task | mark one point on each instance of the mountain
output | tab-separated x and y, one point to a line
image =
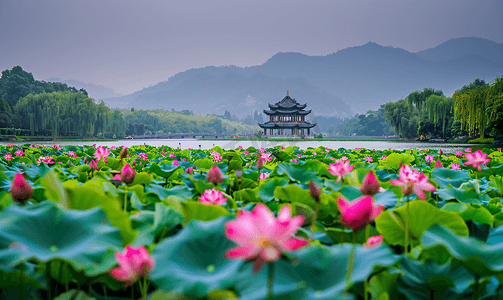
95	91
351	80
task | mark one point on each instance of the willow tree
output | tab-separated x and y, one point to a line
470	108
439	109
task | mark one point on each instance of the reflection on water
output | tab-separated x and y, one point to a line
232	144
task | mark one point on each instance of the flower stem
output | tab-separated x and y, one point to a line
270	280
407	227
125	198
313	221
21	285
476	288
232	201
366	281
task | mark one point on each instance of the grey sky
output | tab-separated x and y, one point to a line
131	44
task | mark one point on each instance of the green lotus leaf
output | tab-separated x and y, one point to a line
195	210
113	163
46	232
204	164
383	285
464	194
29	277
496	183
164	171
142	178
282	156
341	235
162	193
192	262
35	171
475	213
312	275
386	198
444	176
294	193
350	192
54	189
295	173
165	218
422	215
395	159
479	258
84	197
266	190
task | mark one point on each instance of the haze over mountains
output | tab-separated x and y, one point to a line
94	90
352	80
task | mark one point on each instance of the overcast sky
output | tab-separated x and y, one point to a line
130	44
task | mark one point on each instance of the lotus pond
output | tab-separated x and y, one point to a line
86	222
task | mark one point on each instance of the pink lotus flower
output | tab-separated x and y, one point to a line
438	164
263	176
469	150
127	174
217	157
101	152
429	158
359	212
369	159
413	182
20	189
213	197
261	150
260	162
262	237
440	152
189	170
19	153
373	241
477	159
94	165
294	160
240	147
134	263
171	155
340	168
299	155
117	177
10	145
455	166
175	163
215	175
46	159
344	158
370	185
383	157
459	153
72	154
143	156
266	156
246	152
8	156
56	147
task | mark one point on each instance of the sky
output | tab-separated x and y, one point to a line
128	45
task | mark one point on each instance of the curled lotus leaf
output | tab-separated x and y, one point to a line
45	232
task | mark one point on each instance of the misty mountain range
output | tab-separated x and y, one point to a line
352	80
94	90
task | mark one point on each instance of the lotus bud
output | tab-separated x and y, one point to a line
189	170
438	164
85	160
94	165
20	189
215	175
127	174
123	153
69	163
370	185
440	151
260	162
314	191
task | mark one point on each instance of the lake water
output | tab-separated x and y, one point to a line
232	144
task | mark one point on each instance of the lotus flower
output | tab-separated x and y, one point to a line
20	189
440	152
101	152
359	212
294	160
370	185
263	176
477	159
340	168
373	241
117	177
189	170
212	196
176	163
262	237
413	182
134	263
94	165
127	174
455	166
19	153
10	145
260	162
8	156
123	153
459	153
438	164
215	175
469	150
429	158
